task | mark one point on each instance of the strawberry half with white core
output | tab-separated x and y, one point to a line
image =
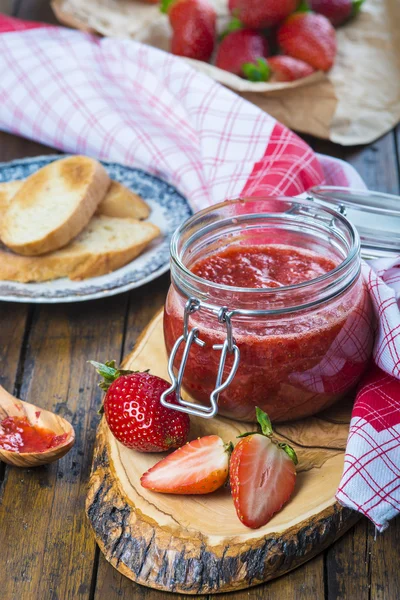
199	467
134	412
262	474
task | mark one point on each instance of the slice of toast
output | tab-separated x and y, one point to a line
53	205
105	245
119	201
8	189
122	202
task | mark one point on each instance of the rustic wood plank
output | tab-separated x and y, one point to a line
14	318
36	10
13	328
7	6
383	555
143	305
112	585
47	548
348	564
12	147
376	163
304	583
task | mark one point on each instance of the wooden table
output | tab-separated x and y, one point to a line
47	551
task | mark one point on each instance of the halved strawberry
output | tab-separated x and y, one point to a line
262	475
199	467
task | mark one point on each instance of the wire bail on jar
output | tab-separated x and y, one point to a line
192	337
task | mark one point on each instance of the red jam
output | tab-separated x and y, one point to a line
17	434
292	364
262	266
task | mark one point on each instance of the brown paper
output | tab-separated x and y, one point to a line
355	103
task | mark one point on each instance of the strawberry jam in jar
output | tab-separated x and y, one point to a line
275	285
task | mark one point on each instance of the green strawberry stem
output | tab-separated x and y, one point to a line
266	429
289	451
264	422
260	71
303	7
234	25
165	5
357	4
109	372
228	448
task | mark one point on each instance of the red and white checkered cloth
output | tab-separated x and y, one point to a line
123	101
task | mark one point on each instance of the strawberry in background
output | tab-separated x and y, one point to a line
193	24
309	37
286	68
337	11
243	52
258	14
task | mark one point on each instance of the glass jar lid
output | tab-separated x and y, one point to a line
375	215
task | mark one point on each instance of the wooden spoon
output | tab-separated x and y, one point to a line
12	407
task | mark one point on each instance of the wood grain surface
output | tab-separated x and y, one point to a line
47	548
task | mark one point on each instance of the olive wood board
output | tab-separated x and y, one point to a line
196	544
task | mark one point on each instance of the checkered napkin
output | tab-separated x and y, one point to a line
123	101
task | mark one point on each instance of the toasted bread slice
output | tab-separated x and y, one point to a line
119	201
105	245
122	202
8	189
53	205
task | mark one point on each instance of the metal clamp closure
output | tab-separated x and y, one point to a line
192	337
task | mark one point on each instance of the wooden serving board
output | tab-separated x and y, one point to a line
196	544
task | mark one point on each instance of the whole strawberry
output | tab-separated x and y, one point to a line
243	53
337	11
193	24
309	37
134	413
258	14
286	68
262	475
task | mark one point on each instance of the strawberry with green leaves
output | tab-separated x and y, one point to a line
337	11
309	37
134	413
199	467
243	52
259	14
193	24
262	474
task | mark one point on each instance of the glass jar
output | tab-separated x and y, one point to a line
303	346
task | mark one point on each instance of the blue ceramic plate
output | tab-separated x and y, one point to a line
168	210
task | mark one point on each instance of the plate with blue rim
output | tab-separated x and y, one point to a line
168	210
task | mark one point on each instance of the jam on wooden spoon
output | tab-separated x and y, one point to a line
29	435
17	434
